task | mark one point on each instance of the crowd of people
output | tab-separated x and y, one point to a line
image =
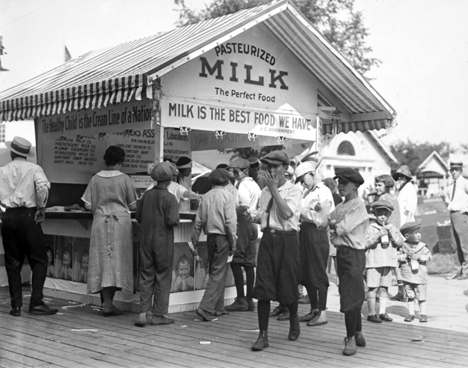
303	220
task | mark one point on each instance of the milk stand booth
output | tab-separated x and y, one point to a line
262	76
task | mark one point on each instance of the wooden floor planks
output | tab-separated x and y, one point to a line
48	341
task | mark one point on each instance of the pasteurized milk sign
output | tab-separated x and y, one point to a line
252	83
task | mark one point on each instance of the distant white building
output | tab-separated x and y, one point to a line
363	151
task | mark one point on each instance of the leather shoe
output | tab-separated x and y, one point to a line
452	276
360	340
141	322
161	320
318	320
309	316
42	310
277	311
409	318
15	311
423	318
113	312
374	318
201	313
284	316
462	277
385	317
220	313
262	341
294	328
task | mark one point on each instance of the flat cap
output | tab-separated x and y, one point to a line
219	177
174	168
184	162
410	226
349	174
276	158
402	170
382	203
240	163
162	172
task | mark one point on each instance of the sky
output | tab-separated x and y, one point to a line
423	46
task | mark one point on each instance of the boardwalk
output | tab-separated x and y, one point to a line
62	340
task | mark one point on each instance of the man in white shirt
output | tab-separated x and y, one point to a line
456	200
248	193
24	190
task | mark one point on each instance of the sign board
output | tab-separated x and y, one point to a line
71	146
252	83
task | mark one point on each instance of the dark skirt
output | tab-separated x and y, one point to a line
350	266
315	249
278	268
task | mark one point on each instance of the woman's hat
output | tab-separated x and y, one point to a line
20	146
184	162
402	170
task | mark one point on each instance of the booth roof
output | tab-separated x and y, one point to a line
126	72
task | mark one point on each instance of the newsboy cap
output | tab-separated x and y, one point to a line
349	174
410	226
382	203
162	172
403	170
219	177
240	163
276	158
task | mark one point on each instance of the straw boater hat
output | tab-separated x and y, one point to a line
456	164
20	146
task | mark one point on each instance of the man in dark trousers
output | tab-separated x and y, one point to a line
456	201
278	265
217	217
24	190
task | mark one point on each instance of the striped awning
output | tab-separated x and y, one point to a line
125	72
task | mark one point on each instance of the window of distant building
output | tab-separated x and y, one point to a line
2	133
346	149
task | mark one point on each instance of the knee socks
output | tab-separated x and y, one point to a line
238	279
351	322
250	275
263	308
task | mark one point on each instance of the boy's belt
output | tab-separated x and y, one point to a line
279	232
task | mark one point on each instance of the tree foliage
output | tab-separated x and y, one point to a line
337	20
414	153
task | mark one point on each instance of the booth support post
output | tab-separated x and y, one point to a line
156	121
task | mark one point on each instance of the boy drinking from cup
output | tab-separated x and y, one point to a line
413	257
383	239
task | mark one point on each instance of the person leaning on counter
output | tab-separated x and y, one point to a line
110	196
24	190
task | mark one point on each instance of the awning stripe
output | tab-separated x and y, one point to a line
118	74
